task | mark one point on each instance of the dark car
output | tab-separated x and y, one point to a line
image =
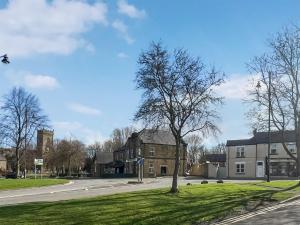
11	175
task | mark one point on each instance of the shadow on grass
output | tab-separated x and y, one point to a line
190	205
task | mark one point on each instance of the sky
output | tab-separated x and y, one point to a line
80	57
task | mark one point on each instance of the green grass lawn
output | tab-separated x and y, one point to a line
8	184
196	203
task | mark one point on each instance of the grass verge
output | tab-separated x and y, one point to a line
9	184
193	204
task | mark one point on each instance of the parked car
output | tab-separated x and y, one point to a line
11	175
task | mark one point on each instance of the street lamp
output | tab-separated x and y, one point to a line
269	126
258	86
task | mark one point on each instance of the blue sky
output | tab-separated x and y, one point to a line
79	57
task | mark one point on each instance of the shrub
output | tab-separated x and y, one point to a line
204	182
220	181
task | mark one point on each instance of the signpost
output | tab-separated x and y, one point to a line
140	162
38	162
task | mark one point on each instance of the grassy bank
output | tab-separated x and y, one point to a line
196	203
8	184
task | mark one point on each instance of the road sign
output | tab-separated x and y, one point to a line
140	161
38	162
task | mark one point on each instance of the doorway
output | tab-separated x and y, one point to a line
163	170
260	169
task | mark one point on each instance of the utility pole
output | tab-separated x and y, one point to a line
269	127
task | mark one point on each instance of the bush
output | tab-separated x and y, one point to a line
220	181
188	184
204	182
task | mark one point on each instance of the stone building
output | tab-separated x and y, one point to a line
44	142
157	148
246	158
3	165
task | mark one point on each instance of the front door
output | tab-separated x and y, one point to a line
163	170
260	170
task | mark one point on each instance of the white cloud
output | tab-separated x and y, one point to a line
122	55
130	10
40	81
67	129
83	109
34	81
123	30
237	86
41	26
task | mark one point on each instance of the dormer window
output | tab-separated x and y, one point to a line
240	152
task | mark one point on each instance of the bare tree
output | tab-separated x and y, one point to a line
278	88
119	136
195	149
72	152
178	94
20	117
218	149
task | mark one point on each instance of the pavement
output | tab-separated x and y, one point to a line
88	188
287	213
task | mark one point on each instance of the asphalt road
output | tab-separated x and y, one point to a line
86	188
282	214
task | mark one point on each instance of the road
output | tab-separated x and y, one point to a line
86	188
285	213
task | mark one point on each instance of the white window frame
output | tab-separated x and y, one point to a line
151	151
240	168
292	150
239	151
151	167
273	147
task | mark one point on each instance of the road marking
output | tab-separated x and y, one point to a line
252	214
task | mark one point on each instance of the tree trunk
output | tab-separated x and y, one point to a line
17	162
297	130
174	188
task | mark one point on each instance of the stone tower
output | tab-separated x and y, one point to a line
44	142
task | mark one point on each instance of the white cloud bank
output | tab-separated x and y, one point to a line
236	86
130	10
33	81
83	109
41	26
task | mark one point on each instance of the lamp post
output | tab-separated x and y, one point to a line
269	126
258	86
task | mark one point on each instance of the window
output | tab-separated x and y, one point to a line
151	151
151	167
273	150
240	152
292	148
240	168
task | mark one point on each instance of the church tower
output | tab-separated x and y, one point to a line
44	142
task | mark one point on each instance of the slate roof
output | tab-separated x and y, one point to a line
214	158
104	157
263	138
163	137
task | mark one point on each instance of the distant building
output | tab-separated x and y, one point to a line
104	164
44	142
156	147
3	165
210	166
246	158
